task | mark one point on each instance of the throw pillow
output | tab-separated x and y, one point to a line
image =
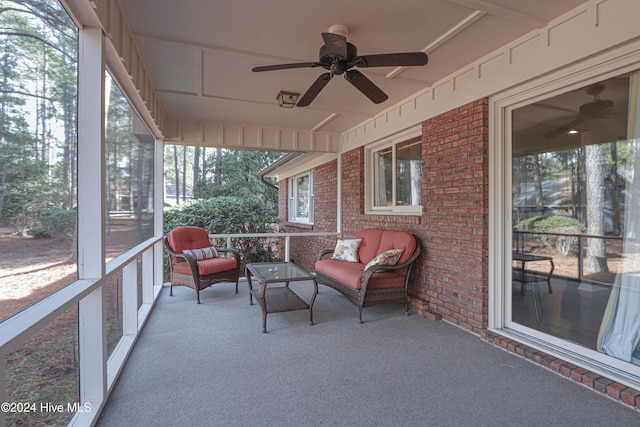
347	250
389	257
202	253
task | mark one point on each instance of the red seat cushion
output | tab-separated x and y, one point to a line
208	266
349	273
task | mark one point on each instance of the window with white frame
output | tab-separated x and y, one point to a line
301	198
394	175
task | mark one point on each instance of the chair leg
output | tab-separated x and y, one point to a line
198	295
171	289
237	279
360	314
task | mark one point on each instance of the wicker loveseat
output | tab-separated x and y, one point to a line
382	282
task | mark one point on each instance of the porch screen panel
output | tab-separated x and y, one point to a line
38	146
129	175
575	200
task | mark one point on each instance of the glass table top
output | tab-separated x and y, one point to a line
278	271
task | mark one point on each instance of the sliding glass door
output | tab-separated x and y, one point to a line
575	199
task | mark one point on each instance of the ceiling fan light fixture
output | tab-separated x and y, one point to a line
287	99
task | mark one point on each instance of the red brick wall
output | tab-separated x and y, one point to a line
456	214
304	250
451	275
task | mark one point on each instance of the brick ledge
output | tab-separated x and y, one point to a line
619	392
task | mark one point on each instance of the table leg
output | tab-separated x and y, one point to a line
522	277
549	276
263	305
248	276
313	298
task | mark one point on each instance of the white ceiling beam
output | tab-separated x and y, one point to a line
448	35
502	12
207	46
324	122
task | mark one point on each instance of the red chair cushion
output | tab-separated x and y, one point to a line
188	237
208	266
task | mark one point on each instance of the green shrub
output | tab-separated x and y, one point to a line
562	231
230	215
546	223
56	224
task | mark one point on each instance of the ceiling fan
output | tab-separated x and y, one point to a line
339	57
595	109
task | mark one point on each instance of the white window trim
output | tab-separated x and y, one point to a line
596	69
292	193
393	140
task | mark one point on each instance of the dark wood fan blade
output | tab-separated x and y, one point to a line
335	44
402	59
286	66
366	86
314	90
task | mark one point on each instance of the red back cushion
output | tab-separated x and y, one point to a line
188	237
370	243
393	239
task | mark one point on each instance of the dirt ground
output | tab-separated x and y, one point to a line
31	269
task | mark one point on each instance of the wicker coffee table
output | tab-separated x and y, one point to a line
280	298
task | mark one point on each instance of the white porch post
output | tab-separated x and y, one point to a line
130	298
148	281
158	226
339	195
91	211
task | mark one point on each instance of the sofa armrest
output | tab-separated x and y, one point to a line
368	273
324	253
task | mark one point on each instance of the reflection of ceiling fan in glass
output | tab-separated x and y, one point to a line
596	109
337	56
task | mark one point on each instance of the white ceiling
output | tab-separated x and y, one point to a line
199	53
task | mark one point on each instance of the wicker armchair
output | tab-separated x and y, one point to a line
197	271
377	284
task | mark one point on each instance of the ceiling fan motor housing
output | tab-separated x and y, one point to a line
336	64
